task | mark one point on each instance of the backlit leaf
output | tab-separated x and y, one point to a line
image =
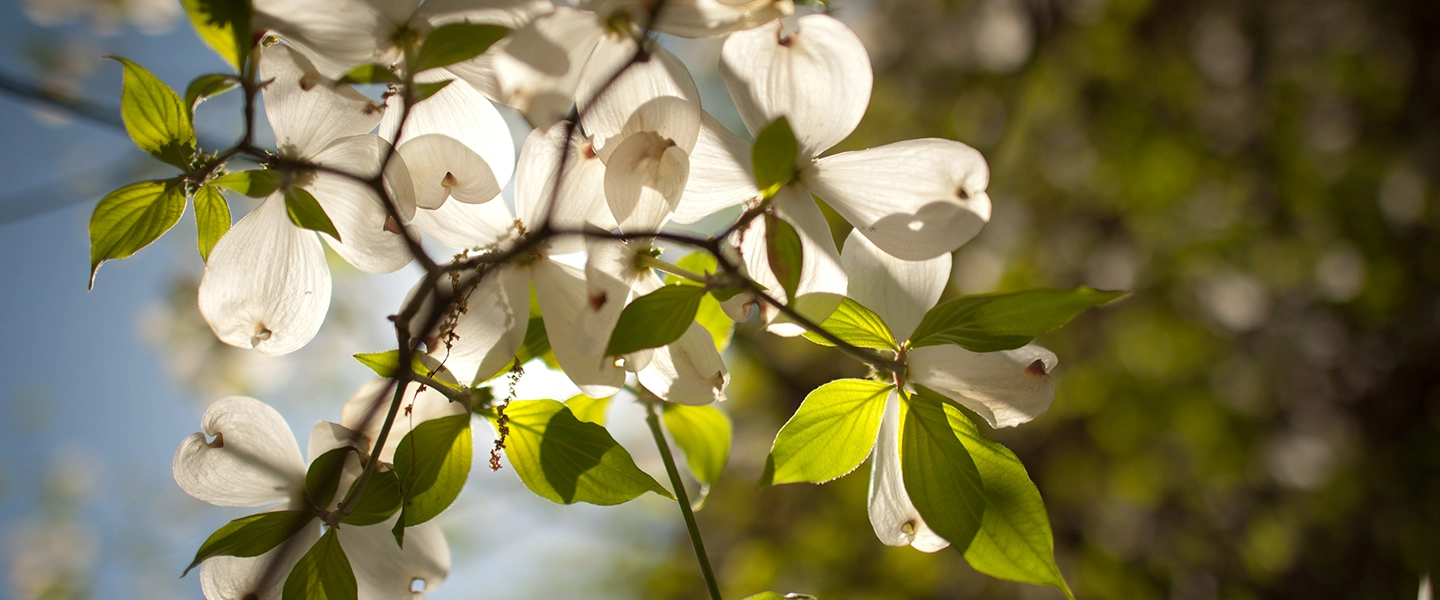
132	217
253	535
433	462
449	44
857	325
704	434
993	322
305	212
324	573
655	319
155	116
566	460
831	434
212	218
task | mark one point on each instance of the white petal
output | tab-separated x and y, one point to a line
234	578
612	271
336	34
442	167
384	570
900	291
1007	388
510	14
266	285
461	225
643	181
720	173
306	110
579	327
822	279
460	112
252	459
327	436
915	199
892	515
687	371
606	115
536	68
670	117
358	214
492	327
817	77
360	156
581	197
365	413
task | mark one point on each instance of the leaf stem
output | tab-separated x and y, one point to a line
655	263
652	417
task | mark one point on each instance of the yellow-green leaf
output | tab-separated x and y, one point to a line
324	573
566	460
132	217
831	434
212	218
224	25
155	116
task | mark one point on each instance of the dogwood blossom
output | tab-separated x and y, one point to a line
245	455
266	285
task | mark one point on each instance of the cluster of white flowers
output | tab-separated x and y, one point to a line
638	152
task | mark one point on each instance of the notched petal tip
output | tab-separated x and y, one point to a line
1037	368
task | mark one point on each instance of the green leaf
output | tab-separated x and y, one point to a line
566	460
252	536
784	253
306	212
1013	540
212	218
385	364
224	25
204	87
709	315
155	116
380	499
433	462
857	325
992	322
830	435
369	73
587	409
703	433
655	319
132	217
773	157
323	477
255	184
324	573
449	44
426	90
939	474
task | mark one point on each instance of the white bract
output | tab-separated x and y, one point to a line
245	455
266	284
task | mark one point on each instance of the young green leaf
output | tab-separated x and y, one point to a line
224	25
426	90
830	435
323	477
369	73
773	158
993	322
703	433
566	460
132	217
709	315
204	87
385	364
380	499
252	536
587	409
212	218
449	44
306	212
324	573
939	474
255	184
433	462
155	116
784	253
1014	540
857	325
655	319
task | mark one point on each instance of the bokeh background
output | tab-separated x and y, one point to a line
1258	419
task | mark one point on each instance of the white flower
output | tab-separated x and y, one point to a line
245	455
916	200
702	18
1006	388
266	285
686	371
341	34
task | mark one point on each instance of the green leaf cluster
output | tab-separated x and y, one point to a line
566	460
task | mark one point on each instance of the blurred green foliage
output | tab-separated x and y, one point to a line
1260	419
